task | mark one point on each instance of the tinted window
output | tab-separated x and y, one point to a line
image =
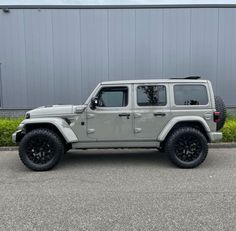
152	95
190	95
113	97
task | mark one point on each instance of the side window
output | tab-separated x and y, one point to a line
152	95
190	95
113	97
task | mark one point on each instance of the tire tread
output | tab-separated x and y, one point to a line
41	131
169	146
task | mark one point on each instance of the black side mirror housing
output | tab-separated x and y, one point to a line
94	103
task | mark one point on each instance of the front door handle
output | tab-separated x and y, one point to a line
159	114
124	114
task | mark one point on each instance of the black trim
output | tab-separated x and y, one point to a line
189	77
116	141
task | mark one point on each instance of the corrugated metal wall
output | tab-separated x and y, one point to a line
57	56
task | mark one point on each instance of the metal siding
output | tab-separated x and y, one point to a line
67	56
176	42
12	57
226	78
121	27
204	32
94	49
52	56
39	57
149	43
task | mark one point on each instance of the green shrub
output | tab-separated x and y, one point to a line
229	130
7	127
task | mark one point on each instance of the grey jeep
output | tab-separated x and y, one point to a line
177	116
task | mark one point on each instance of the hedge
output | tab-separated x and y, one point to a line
229	130
9	125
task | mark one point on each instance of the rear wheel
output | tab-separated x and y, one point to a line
41	149
187	147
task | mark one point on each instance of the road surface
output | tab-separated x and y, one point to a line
119	190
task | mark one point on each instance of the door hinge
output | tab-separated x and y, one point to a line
137	115
138	130
91	130
89	116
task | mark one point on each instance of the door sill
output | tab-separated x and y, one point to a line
116	144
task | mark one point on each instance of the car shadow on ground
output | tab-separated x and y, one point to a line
115	157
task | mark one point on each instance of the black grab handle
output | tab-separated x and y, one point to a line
159	114
124	114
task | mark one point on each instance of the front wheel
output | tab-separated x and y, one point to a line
187	147
41	149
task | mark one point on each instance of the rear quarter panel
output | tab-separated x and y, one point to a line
203	111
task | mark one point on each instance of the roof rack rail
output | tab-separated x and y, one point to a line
189	77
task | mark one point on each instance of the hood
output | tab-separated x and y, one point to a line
56	110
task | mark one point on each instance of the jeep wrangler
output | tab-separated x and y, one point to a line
177	116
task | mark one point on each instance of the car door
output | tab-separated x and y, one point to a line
151	110
111	120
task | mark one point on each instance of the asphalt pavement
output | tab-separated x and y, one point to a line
119	190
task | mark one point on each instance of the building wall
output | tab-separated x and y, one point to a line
57	56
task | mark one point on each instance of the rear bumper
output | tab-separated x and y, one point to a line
215	136
17	136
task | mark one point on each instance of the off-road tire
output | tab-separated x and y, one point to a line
31	145
220	107
174	147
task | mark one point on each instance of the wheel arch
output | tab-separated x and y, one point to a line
58	125
197	122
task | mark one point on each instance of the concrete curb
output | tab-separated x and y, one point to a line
223	145
10	148
211	145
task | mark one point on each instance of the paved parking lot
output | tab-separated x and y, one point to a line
119	190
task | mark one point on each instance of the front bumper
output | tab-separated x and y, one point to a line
17	136
215	136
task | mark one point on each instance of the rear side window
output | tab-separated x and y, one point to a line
190	95
152	95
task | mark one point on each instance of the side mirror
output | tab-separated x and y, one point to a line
94	103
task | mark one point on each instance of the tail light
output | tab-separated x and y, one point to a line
216	116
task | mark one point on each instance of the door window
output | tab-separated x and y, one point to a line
152	95
113	97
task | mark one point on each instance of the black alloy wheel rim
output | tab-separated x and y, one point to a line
40	150
188	148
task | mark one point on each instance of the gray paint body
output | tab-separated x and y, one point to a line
57	56
103	127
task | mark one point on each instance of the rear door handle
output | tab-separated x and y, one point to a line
159	114
124	114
